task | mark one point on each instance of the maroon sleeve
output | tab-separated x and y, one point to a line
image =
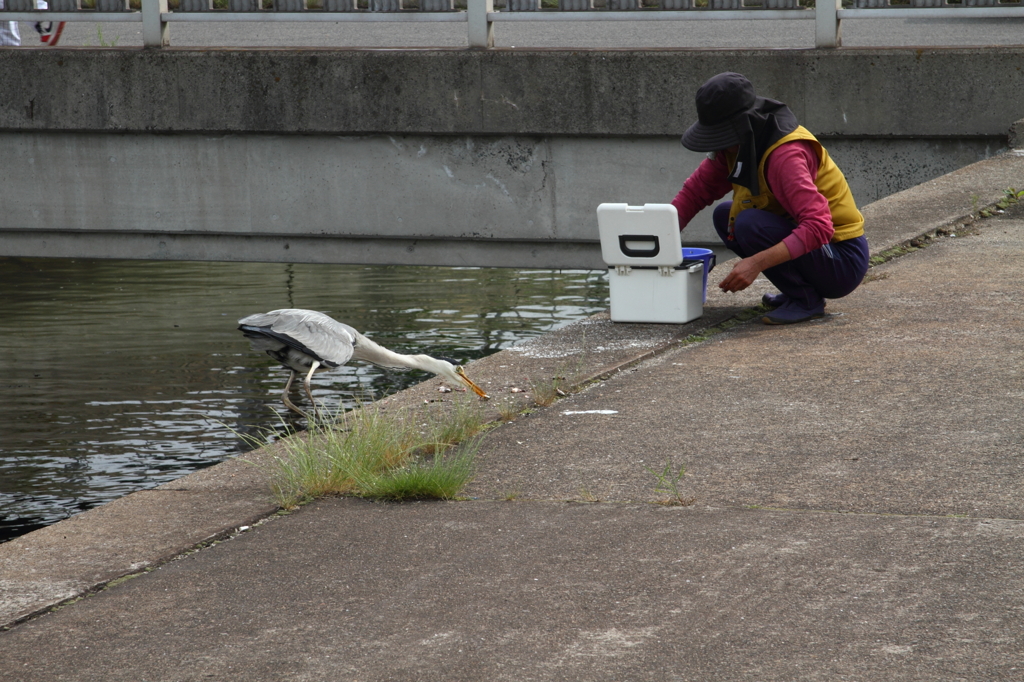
792	169
708	184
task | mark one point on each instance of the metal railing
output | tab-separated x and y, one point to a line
480	15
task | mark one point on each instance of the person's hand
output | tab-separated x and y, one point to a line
746	271
742	276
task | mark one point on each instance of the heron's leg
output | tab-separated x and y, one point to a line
284	396
305	383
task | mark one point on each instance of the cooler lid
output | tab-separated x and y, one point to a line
645	235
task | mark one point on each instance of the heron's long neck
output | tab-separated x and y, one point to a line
369	351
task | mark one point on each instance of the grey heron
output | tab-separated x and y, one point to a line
305	341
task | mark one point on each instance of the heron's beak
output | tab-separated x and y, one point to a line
476	389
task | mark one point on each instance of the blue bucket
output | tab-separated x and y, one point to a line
708	258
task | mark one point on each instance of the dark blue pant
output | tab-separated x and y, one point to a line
832	271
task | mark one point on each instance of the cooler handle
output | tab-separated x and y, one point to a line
639	253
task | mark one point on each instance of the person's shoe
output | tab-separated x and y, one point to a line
792	312
773	300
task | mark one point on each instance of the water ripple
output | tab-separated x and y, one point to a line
123	375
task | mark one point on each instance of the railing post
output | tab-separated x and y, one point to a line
827	31
154	31
481	31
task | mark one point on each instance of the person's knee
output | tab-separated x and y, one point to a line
720	218
721	213
748	231
756	230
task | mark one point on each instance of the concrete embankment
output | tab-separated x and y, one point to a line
858	509
436	157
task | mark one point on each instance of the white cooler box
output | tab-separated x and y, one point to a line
647	278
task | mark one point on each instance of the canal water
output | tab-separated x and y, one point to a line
122	375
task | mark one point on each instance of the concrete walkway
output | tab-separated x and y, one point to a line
858	515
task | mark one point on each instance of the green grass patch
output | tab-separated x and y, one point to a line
668	484
889	254
1011	196
377	454
546	391
440	477
508	410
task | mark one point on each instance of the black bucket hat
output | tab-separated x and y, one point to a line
721	102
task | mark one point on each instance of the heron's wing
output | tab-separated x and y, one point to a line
308	331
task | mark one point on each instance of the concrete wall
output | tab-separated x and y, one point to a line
434	157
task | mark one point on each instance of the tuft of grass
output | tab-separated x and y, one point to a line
889	254
104	43
668	483
440	477
1010	196
371	453
874	277
546	391
460	423
508	410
